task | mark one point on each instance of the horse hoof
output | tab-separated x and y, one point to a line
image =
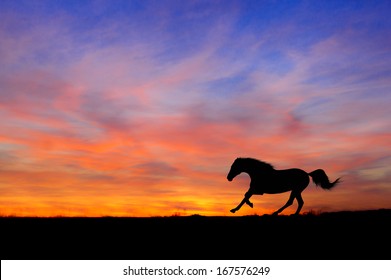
232	210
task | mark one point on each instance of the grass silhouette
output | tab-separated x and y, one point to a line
329	235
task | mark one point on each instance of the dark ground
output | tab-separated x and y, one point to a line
328	236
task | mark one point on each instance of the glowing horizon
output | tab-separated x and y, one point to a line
138	108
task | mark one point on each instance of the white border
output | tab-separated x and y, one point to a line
114	269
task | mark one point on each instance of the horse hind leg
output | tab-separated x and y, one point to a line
287	204
300	202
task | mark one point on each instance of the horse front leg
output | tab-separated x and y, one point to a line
246	200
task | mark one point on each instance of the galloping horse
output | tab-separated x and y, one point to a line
266	179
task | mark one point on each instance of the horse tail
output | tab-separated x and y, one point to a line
320	179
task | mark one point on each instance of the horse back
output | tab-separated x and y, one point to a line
282	181
292	175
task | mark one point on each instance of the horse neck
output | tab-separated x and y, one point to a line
255	171
250	170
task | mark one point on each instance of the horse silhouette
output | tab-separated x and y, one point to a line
266	179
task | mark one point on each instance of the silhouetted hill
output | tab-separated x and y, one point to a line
334	235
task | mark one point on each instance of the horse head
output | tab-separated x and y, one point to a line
235	170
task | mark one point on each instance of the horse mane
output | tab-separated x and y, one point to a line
259	163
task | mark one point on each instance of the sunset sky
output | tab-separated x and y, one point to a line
139	108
